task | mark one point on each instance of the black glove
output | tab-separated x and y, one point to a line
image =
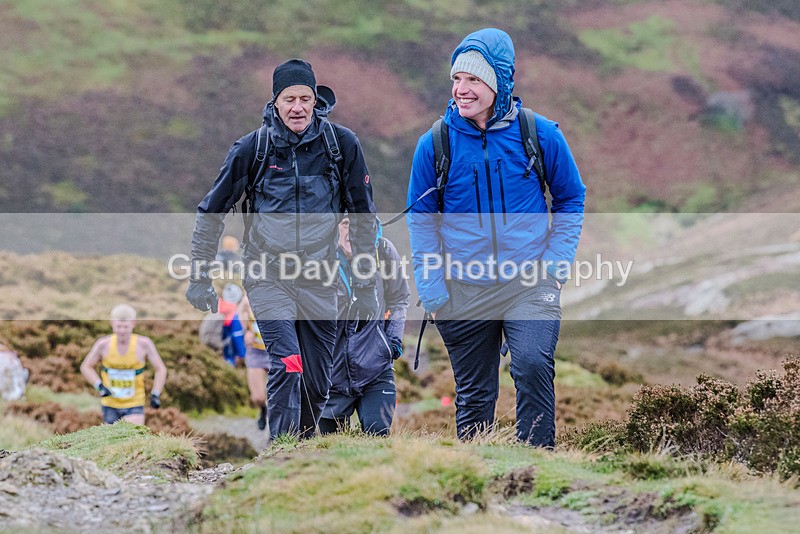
155	401
201	293
104	391
364	307
397	347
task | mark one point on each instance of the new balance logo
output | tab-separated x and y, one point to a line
549	297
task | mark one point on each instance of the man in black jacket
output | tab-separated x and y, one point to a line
298	193
363	379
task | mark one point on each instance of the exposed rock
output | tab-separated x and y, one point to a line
211	475
767	327
43	490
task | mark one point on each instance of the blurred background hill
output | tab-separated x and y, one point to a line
671	108
131	106
684	117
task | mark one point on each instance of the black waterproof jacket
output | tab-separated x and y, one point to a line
298	202
360	357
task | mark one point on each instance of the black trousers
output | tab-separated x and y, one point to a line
472	324
297	321
375	407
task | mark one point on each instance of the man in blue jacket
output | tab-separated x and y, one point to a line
363	376
492	264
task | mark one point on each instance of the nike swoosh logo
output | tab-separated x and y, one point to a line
387	392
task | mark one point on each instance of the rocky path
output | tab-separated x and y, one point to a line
45	491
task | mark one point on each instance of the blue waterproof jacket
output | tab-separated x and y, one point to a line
491	210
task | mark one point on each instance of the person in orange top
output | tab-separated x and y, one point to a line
122	356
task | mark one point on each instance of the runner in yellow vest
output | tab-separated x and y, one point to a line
122	357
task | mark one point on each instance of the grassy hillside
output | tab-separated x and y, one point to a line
410	483
131	106
424	484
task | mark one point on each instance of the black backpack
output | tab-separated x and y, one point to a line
441	157
325	102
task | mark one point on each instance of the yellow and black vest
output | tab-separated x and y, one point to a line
122	374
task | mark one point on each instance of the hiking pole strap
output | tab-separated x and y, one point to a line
425	320
400	215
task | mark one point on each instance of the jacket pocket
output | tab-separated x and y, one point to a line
384	340
502	189
476	184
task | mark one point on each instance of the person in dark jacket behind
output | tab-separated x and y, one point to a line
492	264
298	198
363	380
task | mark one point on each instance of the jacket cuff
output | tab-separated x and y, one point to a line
558	273
433	305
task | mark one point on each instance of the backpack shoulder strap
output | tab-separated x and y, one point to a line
248	204
262	144
331	141
441	157
530	140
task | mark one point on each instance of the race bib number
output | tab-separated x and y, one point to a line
122	382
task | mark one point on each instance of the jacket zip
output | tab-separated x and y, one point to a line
477	195
502	190
385	341
345	276
295	166
347	360
489	192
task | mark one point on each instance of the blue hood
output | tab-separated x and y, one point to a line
498	49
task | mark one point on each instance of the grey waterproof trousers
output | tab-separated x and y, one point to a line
472	324
297	320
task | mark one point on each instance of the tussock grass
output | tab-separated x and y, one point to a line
425	482
125	448
350	483
19	432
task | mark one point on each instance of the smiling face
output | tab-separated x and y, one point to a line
475	99
295	106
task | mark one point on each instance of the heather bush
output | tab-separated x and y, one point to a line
693	420
759	427
765	433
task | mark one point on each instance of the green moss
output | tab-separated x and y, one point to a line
124	447
646	45
355	483
573	375
66	196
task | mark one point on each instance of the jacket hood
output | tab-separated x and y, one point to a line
498	49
